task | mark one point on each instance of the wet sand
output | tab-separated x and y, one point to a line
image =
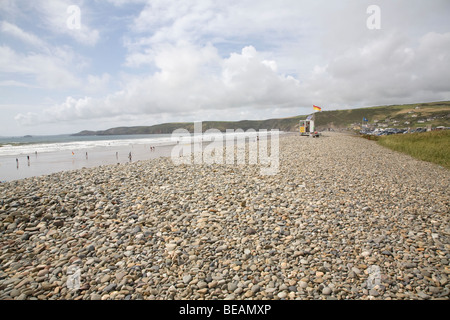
52	162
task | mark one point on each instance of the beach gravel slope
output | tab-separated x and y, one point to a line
344	218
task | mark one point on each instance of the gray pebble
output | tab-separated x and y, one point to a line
326	291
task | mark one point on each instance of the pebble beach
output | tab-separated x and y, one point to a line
344	218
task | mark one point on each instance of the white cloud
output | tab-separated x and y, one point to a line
17	32
240	58
14	83
196	80
55	16
121	3
98	84
48	71
44	65
386	70
188	78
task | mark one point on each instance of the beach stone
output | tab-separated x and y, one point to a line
14	293
58	223
95	296
326	291
282	295
25	236
12	226
128	253
22	296
153	229
120	275
255	288
202	284
42	273
231	286
187	278
171	246
250	231
110	287
374	292
356	270
365	253
136	229
303	284
423	295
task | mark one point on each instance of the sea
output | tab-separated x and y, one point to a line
26	145
29	156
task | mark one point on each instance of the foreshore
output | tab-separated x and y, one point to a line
344	218
45	163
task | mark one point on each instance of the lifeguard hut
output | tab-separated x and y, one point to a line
307	127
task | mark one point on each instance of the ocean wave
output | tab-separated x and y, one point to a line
31	147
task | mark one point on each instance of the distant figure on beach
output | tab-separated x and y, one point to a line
35	153
117	155
86	155
17	162
28	160
129	156
73	153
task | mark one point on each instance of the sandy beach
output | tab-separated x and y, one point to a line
342	219
44	163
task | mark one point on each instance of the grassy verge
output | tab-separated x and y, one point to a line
370	137
433	146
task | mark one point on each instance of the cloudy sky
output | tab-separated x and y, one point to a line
70	65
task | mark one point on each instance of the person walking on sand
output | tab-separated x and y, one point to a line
129	156
17	163
86	155
28	160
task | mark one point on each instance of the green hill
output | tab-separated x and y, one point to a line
409	115
286	124
433	113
